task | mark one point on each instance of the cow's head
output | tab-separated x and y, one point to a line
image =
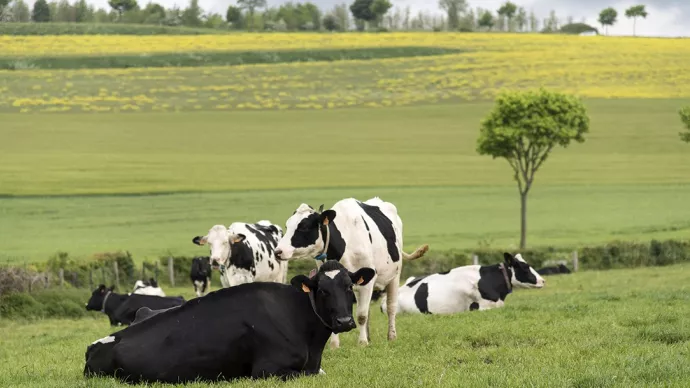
221	243
303	234
95	303
332	291
523	274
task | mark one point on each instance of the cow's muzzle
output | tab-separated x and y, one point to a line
279	254
215	264
343	324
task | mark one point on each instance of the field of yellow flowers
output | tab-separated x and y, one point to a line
601	67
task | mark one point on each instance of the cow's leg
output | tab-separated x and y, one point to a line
391	304
363	302
485	304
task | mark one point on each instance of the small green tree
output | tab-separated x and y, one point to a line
453	8
191	16
361	12
607	17
486	20
120	6
380	8
523	128
251	6
234	16
40	12
330	23
521	19
20	11
508	10
685	118
634	12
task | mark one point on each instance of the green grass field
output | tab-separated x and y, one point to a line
149	182
619	328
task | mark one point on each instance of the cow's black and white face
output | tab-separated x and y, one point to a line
332	290
220	243
95	303
302	238
523	274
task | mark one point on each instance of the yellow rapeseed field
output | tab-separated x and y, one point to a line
602	67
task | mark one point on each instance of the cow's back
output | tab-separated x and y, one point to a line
226	331
263	237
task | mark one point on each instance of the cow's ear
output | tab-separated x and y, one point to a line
200	240
362	276
303	283
111	288
236	238
327	217
101	288
508	258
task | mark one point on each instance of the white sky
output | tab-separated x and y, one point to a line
666	17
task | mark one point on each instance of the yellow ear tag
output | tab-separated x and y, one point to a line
325	221
361	280
305	288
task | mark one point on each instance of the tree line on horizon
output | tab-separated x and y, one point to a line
360	15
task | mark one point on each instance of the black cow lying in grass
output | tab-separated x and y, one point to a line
255	330
122	308
560	269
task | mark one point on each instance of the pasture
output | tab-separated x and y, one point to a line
149	182
591	329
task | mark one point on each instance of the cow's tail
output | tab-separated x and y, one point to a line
421	251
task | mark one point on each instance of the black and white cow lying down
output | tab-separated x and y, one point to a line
200	274
471	287
356	234
148	287
121	309
265	330
560	269
245	253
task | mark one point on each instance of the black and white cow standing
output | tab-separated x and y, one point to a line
265	330
358	235
245	253
470	287
200	274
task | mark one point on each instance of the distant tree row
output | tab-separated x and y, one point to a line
255	15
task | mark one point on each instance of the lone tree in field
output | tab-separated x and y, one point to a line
607	17
685	118
634	12
523	128
41	12
122	5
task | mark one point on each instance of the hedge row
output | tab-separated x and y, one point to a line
198	59
44	304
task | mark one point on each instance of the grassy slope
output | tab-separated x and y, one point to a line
598	329
625	182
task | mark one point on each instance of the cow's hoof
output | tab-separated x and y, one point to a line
392	336
363	343
322	372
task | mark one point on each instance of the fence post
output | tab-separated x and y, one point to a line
155	273
90	278
575	261
62	278
117	275
171	272
475	260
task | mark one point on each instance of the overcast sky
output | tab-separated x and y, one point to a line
666	17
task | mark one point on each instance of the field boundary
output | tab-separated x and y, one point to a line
221	58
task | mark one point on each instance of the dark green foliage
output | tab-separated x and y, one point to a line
191	16
330	23
122	5
44	304
40	12
76	272
685	118
486	20
220	58
577	28
361	10
234	16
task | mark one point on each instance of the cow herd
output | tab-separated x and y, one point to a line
260	325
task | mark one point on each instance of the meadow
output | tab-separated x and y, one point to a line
618	328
